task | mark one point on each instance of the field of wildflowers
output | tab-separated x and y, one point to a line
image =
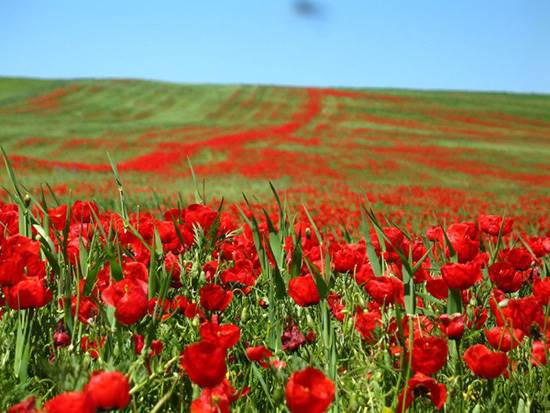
350	251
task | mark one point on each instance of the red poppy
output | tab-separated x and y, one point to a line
422	385
204	363
129	297
506	277
108	390
71	402
519	258
214	298
437	287
31	292
538	353
309	391
452	325
461	276
217	399
303	290
366	324
225	335
541	290
26	406
336	306
503	338
87	308
386	289
492	224
429	354
20	257
258	354
484	362
464	238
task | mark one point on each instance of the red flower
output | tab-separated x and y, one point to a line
461	276
386	289
541	290
437	287
420	385
429	354
336	306
484	362
452	325
366	323
519	258
258	354
20	257
71	402
214	298
87	308
464	238
504	339
303	290
225	335
26	406
506	277
217	399
129	297
108	390
309	391
204	363
491	224
538	354
31	292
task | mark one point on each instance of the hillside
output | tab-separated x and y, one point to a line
416	148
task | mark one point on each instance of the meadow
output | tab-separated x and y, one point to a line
172	248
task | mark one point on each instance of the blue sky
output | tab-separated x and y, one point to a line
439	44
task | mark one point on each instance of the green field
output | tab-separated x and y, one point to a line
460	150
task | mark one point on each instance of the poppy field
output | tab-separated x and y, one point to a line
173	248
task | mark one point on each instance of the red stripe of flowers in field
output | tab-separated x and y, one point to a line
200	309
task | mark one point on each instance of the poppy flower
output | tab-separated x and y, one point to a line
503	338
71	402
87	308
31	292
519	258
108	390
437	287
484	362
464	238
506	277
26	406
452	325
309	391
303	291
492	224
541	290
225	335
204	363
366	324
336	306
386	289
214	298
217	399
429	354
422	385
258	354
129	297
538	353
461	276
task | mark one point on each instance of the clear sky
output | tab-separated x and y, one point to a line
438	44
